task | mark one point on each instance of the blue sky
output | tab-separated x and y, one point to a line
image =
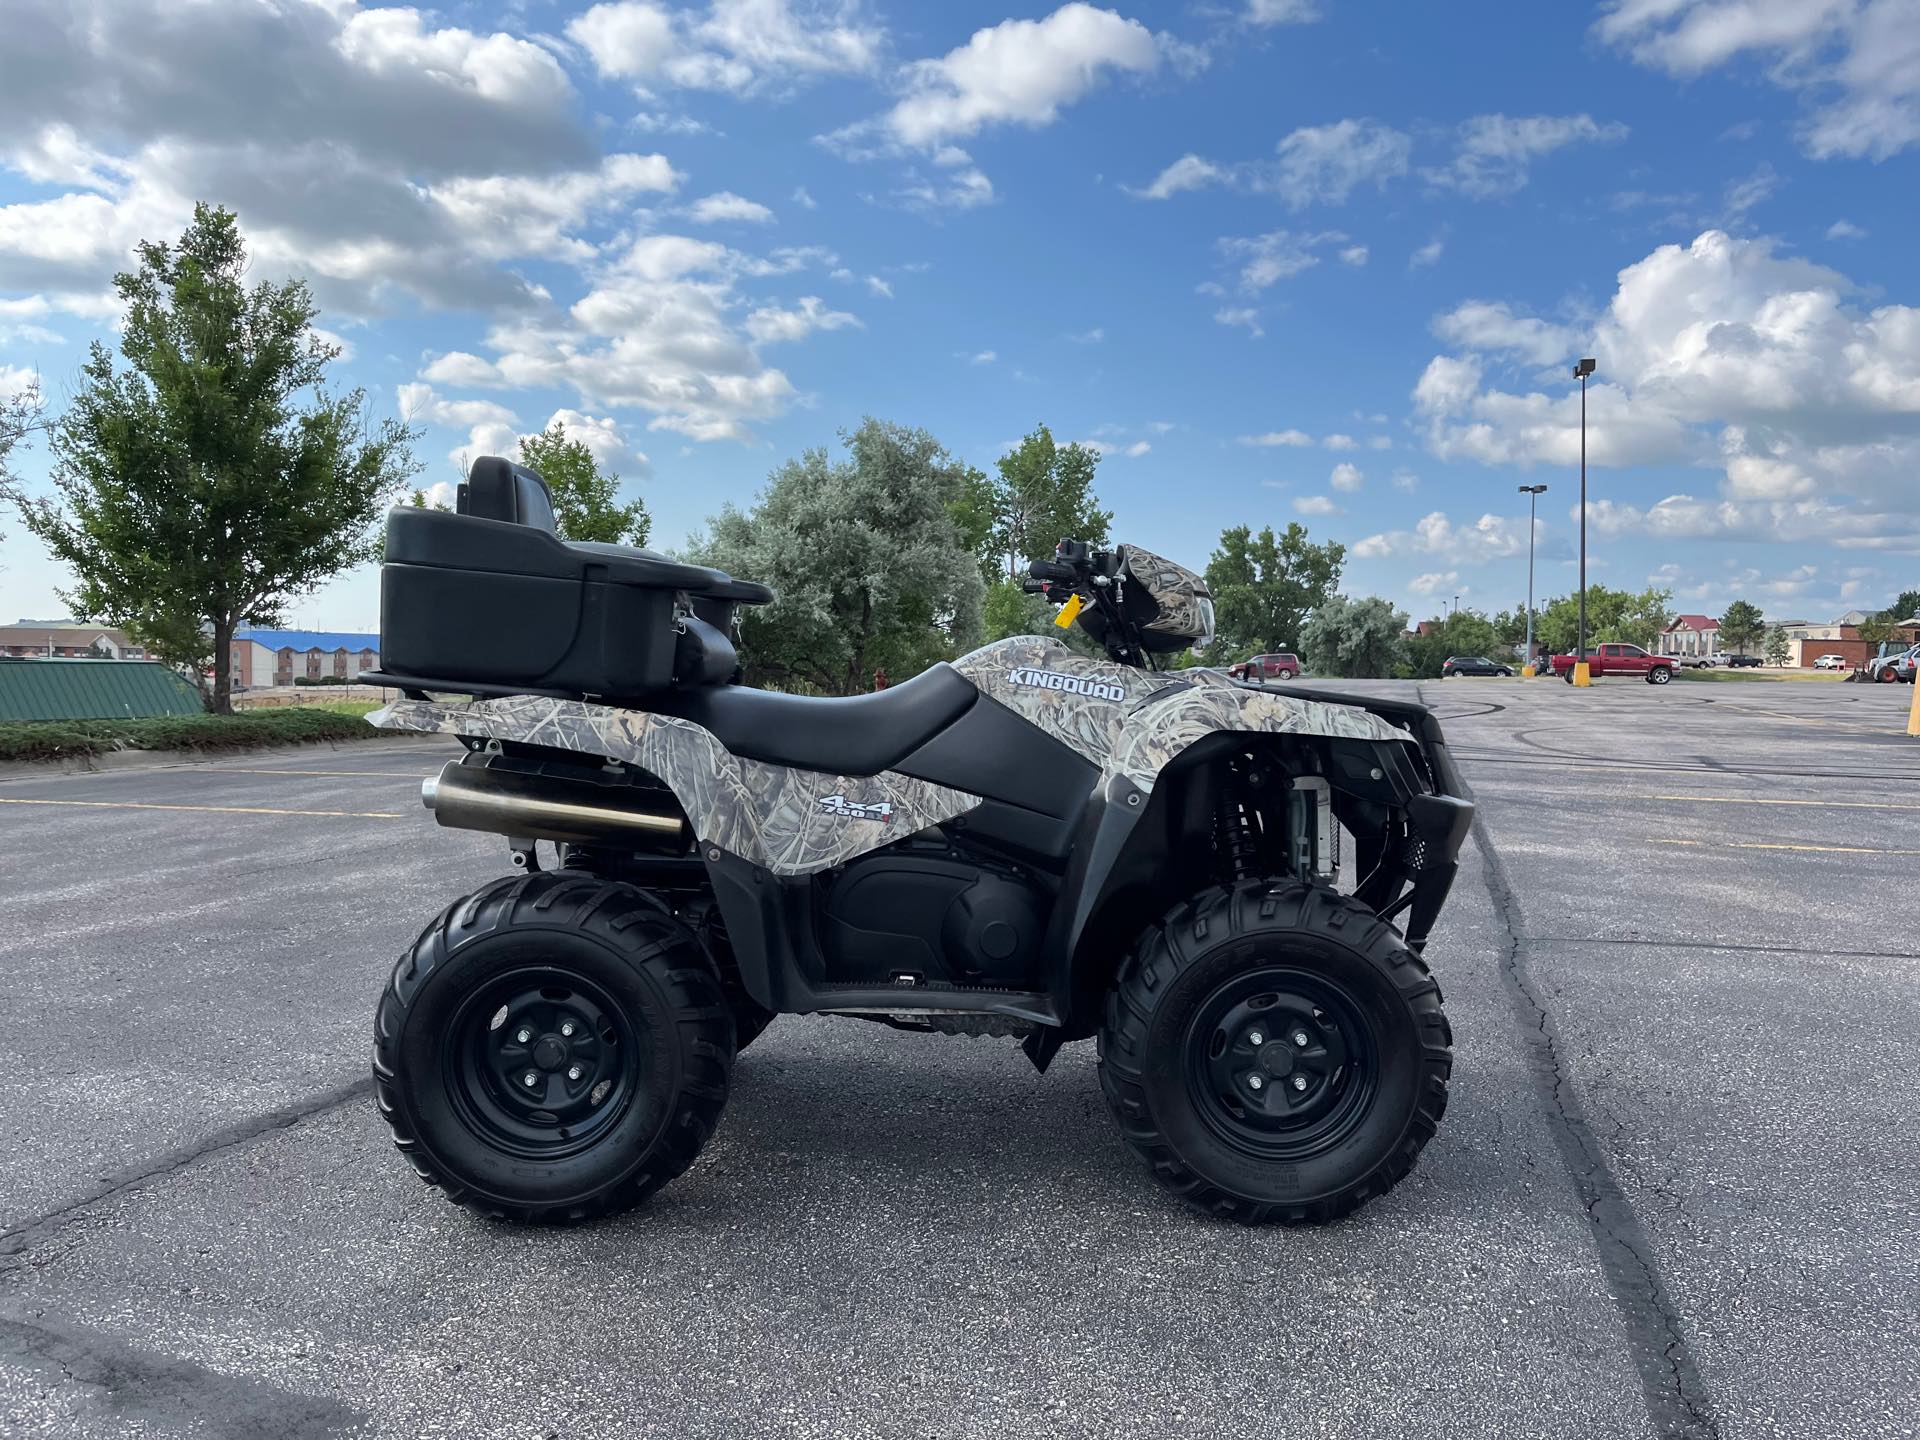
1282	260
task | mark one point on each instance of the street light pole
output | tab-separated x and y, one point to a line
1580	671
1533	494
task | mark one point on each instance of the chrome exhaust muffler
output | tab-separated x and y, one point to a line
542	807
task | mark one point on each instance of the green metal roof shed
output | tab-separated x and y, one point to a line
93	690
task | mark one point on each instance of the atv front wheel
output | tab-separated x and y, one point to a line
552	1048
1275	1053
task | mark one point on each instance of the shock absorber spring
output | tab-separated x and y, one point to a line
1233	836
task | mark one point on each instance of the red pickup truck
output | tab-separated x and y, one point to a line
1618	660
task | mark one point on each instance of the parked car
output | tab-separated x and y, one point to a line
1745	662
1281	665
1831	662
1618	659
1700	662
1472	665
1889	668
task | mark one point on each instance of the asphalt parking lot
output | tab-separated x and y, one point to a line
1677	1191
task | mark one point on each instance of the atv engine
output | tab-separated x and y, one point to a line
933	915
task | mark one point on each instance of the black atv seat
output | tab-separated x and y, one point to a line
490	600
851	735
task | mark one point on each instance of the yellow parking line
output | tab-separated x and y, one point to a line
1866	727
1823	804
213	809
1779	845
353	774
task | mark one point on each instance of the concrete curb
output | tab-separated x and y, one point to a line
162	759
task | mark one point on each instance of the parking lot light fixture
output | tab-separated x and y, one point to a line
1533	494
1581	674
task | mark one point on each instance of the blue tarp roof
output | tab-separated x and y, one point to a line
309	639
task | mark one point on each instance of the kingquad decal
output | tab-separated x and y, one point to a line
1067	684
881	810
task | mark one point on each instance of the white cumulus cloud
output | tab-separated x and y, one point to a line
1858	61
1018	72
1495	153
724	206
740	46
1723	354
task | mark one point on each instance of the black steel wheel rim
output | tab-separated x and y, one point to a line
1282	1063
541	1063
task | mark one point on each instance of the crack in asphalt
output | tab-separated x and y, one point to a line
17	1239
1677	1400
1722	945
179	1394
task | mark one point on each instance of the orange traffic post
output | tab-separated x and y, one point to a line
1582	673
1913	715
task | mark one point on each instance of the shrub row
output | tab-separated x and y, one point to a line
57	739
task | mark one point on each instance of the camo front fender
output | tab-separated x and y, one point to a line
1167	723
1134	723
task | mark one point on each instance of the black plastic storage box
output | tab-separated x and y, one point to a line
491	597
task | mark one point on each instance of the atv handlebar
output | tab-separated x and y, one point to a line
1077	569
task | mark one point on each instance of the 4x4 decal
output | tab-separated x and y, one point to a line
881	810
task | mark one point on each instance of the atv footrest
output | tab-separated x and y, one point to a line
931	999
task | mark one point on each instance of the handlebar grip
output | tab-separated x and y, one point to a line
1049	570
1035	587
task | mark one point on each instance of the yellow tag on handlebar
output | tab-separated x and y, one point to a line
1068	613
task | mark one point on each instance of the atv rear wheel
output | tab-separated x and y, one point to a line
1275	1053
553	1047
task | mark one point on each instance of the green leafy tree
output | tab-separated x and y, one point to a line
1040	494
1636	617
20	415
1778	647
1877	629
1907	606
586	502
1741	625
1510	626
419	501
1354	638
1264	587
214	479
1464	632
866	558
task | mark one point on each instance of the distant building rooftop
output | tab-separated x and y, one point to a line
309	639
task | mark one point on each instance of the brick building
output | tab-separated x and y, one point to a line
64	640
281	657
1807	643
